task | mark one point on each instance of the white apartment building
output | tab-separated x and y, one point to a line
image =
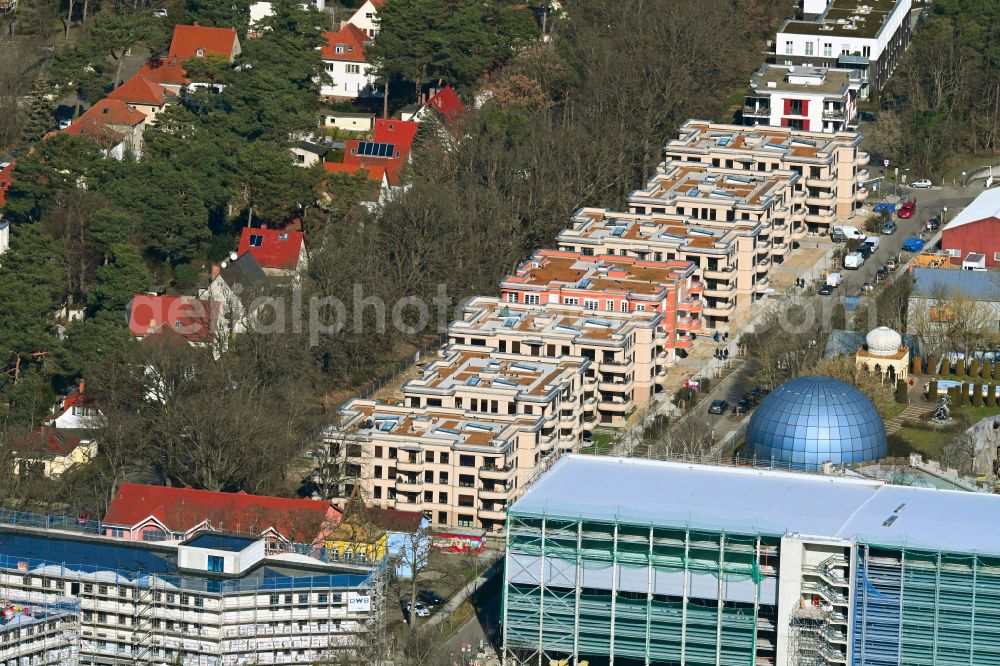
865	35
803	98
211	600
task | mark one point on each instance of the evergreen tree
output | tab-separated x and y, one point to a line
40	112
121	279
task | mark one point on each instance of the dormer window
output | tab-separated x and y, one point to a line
256	240
283	236
392	126
200	53
339	48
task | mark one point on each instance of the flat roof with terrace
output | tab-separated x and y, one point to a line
825	81
489	316
442	426
602	274
863	19
599	226
470	368
678	181
704	137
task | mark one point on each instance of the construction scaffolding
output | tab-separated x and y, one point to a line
578	589
926	608
38	635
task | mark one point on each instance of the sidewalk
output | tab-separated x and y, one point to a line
449	607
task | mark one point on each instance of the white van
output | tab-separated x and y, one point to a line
849	233
834	279
873	241
854	261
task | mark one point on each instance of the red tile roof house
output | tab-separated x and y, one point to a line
346	66
75	410
6	173
114	124
446	104
49	452
166	72
377	174
195	41
280	252
190	318
153	513
146	95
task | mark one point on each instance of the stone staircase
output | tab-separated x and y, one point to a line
911	413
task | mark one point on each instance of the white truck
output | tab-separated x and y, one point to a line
854	261
848	233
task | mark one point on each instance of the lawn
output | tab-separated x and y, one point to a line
601	445
930	441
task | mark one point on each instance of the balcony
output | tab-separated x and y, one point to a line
724	309
615	405
409	485
762	244
863	175
409	466
615	365
590	402
725	273
662	356
779	249
756	111
798	197
661	372
616	385
569	417
762	284
862	158
688	324
822	181
820	199
498	492
691	306
696	286
862	193
406	504
763	265
496	473
823	217
833	114
493	514
589	381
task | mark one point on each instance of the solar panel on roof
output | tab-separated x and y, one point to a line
472	381
373	149
617	231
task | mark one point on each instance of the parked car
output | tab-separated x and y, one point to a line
825	290
718	407
881	274
160	13
834	279
889	227
742	406
922	184
865	250
420	609
890	265
867	286
64	123
854	260
430	597
873	241
933	224
907	210
914	244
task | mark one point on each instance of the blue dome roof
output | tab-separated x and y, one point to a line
811	420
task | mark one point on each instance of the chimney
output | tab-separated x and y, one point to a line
216	269
81	387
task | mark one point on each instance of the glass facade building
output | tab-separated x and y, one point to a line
808	421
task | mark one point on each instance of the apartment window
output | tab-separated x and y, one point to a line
571	301
640	308
377	492
512	297
624	307
788	47
827	50
609	306
429	477
443	478
442	499
466	481
275	599
809	48
303	598
795	107
428	496
329	66
866	51
215	563
199	602
532	299
464	520
589	304
444	458
467	461
429	456
353	69
378	471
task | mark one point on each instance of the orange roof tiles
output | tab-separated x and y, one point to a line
165	72
140	90
348	44
196	41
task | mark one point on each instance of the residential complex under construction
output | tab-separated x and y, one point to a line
210	600
633	561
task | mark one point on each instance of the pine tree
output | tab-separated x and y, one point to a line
40	112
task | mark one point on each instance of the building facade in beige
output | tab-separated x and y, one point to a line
457	467
733	264
628	352
832	168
